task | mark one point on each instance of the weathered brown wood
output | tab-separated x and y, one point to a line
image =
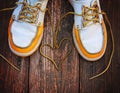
115	68
38	75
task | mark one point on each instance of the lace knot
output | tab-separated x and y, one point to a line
29	13
90	15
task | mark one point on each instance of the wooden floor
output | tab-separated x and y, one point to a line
38	75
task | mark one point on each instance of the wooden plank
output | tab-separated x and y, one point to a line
44	78
115	68
11	81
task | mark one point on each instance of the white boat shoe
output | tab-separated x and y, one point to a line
89	31
26	26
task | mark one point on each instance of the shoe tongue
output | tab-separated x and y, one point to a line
33	2
86	2
78	4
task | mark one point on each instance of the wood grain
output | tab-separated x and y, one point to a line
50	80
38	75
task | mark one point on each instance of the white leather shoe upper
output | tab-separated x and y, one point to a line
23	33
92	38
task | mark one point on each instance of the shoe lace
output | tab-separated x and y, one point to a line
29	13
90	15
10	63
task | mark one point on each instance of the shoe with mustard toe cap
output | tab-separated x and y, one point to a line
26	26
89	31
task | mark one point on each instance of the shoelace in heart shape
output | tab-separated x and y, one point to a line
56	44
